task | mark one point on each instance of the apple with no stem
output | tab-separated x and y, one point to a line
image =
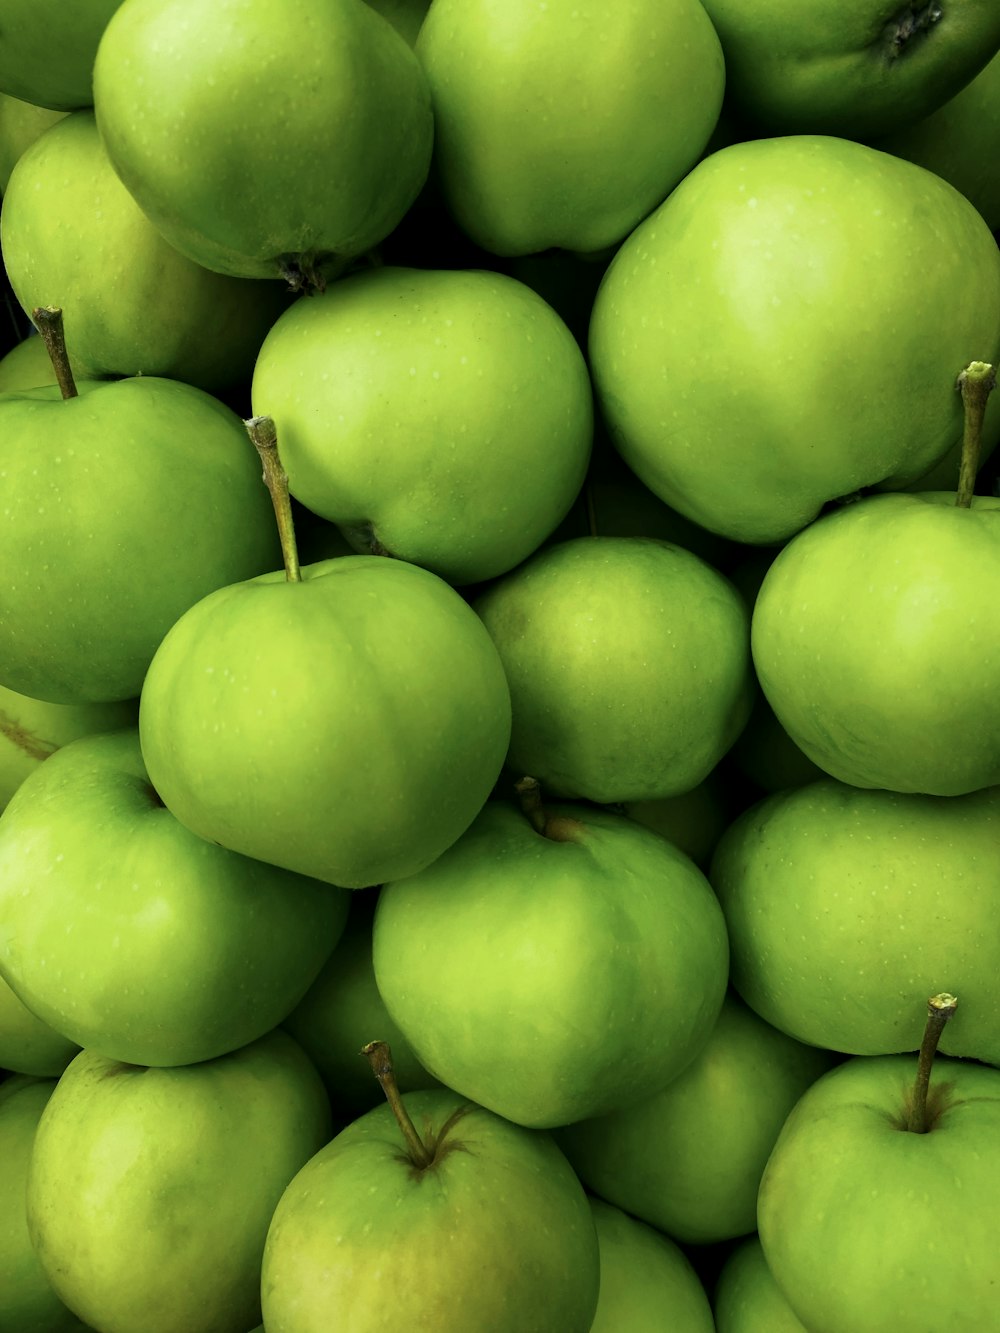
747	1299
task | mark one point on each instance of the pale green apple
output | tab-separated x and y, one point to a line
563	125
553	974
149	944
495	1232
150	1191
74	237
693	821
20	125
871	1227
264	138
846	907
688	1159
747	1299
628	666
440	416
860	68
875	643
27	1302
349	726
27	1044
123	506
31	730
26	366
48	48
787	328
406	16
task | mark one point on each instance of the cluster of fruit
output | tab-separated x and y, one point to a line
498	587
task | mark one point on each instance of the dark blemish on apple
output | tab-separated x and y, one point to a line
912	21
33	746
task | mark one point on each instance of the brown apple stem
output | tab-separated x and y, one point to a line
265	438
380	1059
976	382
939	1009
557	828
48	320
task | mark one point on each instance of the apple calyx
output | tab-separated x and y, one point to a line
361	537
909	23
48	320
420	1154
975	383
557	828
922	1110
265	440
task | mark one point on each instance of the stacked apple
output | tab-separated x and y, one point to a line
618	790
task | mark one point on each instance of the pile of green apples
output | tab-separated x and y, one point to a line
499	658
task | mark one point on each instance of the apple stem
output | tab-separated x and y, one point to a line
265	439
48	320
557	828
380	1058
976	382
939	1009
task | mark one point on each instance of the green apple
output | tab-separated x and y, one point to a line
873	642
858	69
766	755
822	299
125	505
693	821
478	1224
264	138
960	141
647	1283
150	1191
870	1226
747	1299
27	1044
48	48
406	16
20	125
628	666
27	1302
688	1159
150	944
31	730
73	236
845	906
348	726
563	125
556	968
413	404
26	366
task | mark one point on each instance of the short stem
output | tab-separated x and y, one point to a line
380	1058
939	1009
557	828
265	438
48	320
976	382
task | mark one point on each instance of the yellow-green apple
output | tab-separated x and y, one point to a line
20	125
27	1044
47	53
26	366
747	1299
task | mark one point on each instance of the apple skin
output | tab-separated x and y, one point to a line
150	1191
73	237
20	125
349	726
496	1233
149	944
167	504
747	1299
27	1045
688	1159
856	69
899	692
27	1302
647	1282
551	980
868	1227
48	50
563	127
628	667
847	908
492	388
321	128
26	366
758	255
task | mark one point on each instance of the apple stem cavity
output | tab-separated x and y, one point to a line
939	1009
976	382
265	440
557	828
48	320
380	1058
